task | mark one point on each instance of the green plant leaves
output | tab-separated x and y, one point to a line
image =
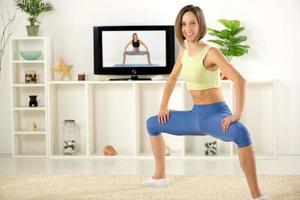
238	39
230	24
33	8
228	38
237	31
219	42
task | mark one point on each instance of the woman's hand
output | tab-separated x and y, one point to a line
228	120
163	115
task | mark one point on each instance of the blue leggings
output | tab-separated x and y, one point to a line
202	120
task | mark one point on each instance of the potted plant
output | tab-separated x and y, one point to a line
229	39
34	8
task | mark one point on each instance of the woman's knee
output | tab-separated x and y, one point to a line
242	136
152	123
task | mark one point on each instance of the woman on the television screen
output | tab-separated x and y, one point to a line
200	66
136	43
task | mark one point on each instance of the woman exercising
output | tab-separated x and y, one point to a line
136	42
200	66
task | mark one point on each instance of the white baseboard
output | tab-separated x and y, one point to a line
5	151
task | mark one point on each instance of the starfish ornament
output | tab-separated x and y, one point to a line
63	69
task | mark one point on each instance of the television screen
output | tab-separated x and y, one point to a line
149	49
133	50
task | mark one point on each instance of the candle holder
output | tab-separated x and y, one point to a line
33	101
81	77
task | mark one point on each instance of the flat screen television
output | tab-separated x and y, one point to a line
133	50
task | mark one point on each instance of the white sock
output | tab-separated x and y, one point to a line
260	198
151	182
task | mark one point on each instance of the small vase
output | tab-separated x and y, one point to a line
33	102
32	30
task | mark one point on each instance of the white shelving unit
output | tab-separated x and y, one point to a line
115	113
26	142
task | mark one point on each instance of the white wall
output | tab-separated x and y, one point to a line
273	29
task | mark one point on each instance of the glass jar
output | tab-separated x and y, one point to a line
69	137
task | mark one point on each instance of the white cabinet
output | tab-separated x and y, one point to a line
115	112
28	140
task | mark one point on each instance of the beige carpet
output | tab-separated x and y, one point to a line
82	186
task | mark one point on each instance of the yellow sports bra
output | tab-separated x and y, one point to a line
195	74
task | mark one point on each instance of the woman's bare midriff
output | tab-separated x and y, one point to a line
207	96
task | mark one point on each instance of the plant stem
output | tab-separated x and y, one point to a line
5	35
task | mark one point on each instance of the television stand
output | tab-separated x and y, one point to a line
133	78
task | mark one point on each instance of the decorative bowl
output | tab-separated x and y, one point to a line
31	55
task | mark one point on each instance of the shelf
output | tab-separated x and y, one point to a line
26	132
30	156
120	154
27	61
103	104
20	69
60	155
29	38
105	82
67	102
29	44
110	82
29	108
115	113
66	82
202	155
28	85
22	93
145	154
22	120
105	108
68	156
26	143
29	145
